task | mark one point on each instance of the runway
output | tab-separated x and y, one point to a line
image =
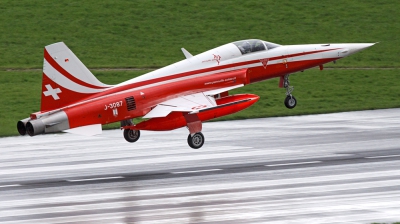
332	168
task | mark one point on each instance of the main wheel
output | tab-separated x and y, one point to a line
196	141
290	102
131	135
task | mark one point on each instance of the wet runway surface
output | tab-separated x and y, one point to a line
333	168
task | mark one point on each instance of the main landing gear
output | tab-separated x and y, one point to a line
130	135
290	101
196	141
194	125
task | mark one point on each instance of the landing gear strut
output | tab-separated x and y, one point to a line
196	141
290	101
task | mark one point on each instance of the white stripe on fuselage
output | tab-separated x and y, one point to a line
187	65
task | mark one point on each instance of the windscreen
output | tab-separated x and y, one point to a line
249	46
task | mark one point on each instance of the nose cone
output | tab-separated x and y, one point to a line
354	48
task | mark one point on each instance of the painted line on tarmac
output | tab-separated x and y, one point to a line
377	157
290	164
196	171
11	185
94	179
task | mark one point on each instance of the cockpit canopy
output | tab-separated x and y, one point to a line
253	45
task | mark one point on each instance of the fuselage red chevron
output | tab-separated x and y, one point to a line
185	93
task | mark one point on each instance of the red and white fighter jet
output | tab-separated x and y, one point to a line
185	93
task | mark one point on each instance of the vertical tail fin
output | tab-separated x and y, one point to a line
66	79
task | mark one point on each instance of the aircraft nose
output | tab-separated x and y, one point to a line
354	48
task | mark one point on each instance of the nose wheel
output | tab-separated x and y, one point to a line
196	141
290	101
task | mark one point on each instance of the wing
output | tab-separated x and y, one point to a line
189	103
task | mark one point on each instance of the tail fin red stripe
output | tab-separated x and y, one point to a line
60	69
55	96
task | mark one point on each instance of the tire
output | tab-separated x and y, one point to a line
290	102
131	135
196	141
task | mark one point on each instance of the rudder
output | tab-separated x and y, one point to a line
66	79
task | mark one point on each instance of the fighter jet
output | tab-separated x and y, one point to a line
183	94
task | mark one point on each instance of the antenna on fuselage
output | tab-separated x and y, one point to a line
186	53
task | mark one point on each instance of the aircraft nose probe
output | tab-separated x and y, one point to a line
344	51
354	48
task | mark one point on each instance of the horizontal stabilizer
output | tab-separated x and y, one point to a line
89	130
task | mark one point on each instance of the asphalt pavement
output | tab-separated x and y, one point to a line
331	168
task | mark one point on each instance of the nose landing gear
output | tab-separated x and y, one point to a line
290	101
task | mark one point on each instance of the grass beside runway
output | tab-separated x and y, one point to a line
150	33
326	91
330	90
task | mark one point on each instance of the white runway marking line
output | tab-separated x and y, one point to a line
11	185
195	171
377	157
289	164
93	179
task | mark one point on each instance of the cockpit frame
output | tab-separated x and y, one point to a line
254	45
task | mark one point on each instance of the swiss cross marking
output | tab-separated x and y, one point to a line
52	92
264	62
